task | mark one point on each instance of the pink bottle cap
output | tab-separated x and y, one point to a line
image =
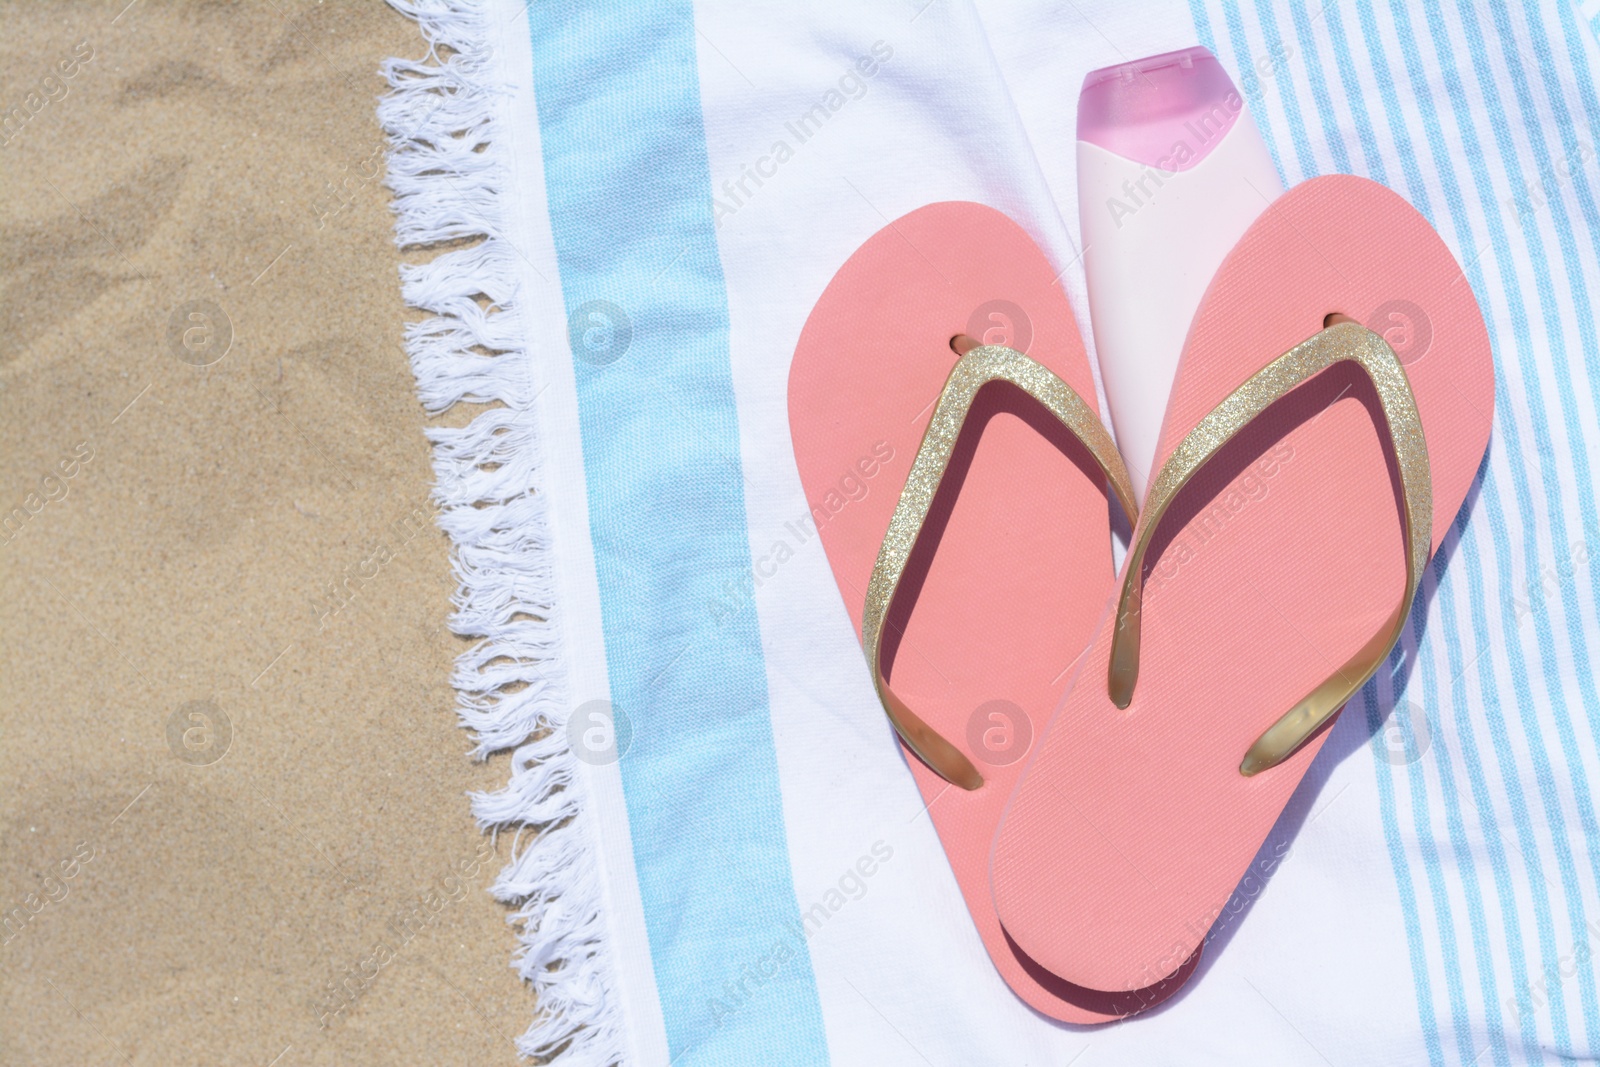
1167	111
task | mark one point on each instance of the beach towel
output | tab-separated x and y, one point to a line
621	216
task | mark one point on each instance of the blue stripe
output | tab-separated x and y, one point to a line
1547	462
1291	101
1433	870
1465	864
1418	193
1589	346
1355	96
1332	136
1402	877
1578	638
1241	49
1511	771
1593	23
1574	34
1549	469
1577	43
1445	163
1465	729
1579	63
1516	463
1505	760
629	194
1202	25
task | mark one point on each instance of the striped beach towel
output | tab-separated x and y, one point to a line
721	857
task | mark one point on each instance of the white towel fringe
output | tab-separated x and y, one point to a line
446	170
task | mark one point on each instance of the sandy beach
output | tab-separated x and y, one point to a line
233	821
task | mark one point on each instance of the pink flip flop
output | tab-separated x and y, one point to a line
978	577
1271	572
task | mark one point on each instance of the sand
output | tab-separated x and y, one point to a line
223	790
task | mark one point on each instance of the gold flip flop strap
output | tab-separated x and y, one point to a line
979	367
1345	342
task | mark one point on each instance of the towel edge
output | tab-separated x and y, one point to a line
447	168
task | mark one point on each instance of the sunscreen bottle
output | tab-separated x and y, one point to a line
1171	172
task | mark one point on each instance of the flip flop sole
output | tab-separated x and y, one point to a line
1130	829
1013	568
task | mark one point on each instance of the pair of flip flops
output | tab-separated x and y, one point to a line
1103	754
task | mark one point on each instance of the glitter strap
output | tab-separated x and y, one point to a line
977	368
1344	342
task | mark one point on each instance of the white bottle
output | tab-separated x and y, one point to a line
1171	172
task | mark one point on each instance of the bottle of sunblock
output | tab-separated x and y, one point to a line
1171	171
